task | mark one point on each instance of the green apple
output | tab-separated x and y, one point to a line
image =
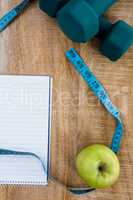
98	166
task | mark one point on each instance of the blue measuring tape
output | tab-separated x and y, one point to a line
100	92
12	14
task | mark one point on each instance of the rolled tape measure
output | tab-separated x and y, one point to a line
12	14
102	95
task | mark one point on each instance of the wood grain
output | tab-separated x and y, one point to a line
33	44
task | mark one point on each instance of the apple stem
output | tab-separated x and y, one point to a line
102	167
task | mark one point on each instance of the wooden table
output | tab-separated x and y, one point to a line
33	44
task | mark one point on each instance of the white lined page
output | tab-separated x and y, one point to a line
24	126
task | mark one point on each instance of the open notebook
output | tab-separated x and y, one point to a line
25	121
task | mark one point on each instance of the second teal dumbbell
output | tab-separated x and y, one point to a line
79	19
115	38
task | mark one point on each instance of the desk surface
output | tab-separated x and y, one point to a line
33	44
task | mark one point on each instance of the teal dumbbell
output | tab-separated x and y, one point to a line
115	39
79	19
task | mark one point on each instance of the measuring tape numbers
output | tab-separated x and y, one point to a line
100	93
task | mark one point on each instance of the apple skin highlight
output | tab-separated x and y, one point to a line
98	166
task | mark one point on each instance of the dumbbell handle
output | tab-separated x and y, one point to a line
101	6
105	28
